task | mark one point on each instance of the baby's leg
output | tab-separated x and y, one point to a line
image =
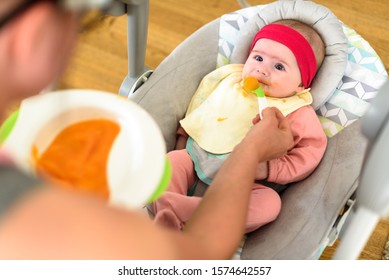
174	207
264	207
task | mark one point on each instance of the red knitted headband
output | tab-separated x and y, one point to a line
296	43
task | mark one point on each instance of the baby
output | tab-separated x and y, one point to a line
284	58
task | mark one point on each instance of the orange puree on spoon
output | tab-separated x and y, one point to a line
78	156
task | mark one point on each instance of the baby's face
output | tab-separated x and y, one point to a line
275	67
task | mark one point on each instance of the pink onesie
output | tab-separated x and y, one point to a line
175	207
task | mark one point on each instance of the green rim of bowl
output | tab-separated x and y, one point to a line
164	183
8	125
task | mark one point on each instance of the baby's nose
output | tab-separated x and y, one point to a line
262	71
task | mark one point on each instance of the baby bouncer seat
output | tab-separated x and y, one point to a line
313	210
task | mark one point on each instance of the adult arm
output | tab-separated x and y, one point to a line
216	228
54	223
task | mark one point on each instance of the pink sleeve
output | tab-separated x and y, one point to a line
310	144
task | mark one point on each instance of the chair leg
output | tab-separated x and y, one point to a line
137	25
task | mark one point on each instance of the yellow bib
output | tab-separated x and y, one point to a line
220	113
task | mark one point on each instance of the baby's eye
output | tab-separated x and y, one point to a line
279	66
258	58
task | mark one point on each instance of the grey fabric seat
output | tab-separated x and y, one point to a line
310	207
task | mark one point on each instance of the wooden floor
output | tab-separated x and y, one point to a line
100	59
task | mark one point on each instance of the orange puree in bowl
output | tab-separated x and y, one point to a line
78	156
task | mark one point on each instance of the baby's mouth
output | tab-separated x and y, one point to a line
264	83
265	86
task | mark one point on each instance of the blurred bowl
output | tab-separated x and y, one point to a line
137	168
